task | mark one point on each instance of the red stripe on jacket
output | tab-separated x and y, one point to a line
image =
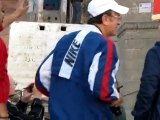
4	79
104	93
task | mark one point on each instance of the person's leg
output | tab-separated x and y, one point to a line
74	12
78	12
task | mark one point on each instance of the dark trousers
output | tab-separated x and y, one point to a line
76	18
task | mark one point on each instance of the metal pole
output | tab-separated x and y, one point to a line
40	10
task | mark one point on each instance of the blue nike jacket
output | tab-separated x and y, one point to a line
79	77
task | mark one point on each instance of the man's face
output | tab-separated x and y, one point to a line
112	23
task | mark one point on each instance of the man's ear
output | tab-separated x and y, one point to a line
106	19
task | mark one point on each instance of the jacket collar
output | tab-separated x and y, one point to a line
94	29
157	43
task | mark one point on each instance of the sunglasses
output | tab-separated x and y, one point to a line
119	18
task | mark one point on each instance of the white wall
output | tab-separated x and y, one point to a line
28	45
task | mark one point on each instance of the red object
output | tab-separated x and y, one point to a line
156	10
105	90
1	28
4	79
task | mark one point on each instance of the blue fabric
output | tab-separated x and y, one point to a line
72	99
75	102
76	17
52	4
148	98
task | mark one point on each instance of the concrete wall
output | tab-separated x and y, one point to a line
135	14
134	39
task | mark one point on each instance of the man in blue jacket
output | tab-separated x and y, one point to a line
79	74
147	106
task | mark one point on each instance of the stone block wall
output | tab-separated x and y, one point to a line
134	40
136	14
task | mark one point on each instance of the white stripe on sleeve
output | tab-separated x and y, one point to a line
114	72
93	70
45	72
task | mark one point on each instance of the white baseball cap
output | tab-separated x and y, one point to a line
97	7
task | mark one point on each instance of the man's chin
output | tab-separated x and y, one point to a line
114	34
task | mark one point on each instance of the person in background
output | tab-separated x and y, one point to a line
79	73
77	6
18	111
4	79
147	106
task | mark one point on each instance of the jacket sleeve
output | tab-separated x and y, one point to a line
16	114
22	106
37	109
102	73
149	86
4	79
36	113
43	75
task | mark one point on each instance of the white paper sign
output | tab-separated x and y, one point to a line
145	7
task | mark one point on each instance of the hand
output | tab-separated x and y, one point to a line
26	97
44	98
23	7
117	102
36	93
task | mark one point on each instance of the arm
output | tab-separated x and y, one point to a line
37	109
16	114
25	99
43	75
16	14
102	73
3	110
22	106
18	111
149	85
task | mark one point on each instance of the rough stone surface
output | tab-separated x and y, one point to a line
134	41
